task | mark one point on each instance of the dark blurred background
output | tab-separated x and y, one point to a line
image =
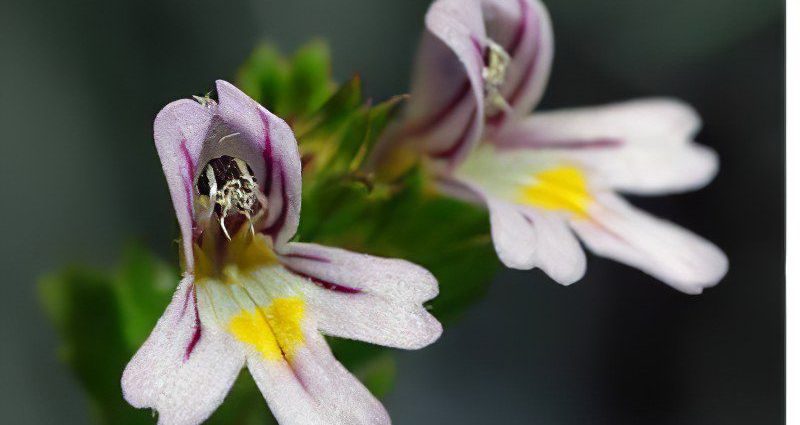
82	81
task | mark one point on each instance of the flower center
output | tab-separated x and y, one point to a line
228	199
227	188
494	75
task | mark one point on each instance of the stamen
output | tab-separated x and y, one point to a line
222	226
228	137
206	100
494	75
228	185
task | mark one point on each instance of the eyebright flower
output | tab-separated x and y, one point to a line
481	68
251	297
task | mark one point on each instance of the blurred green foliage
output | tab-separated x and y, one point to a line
104	316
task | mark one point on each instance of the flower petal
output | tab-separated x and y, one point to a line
292	364
526	237
314	388
278	158
524	31
363	297
186	367
662	249
180	131
445	110
642	146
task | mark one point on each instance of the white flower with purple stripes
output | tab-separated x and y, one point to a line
481	68
251	297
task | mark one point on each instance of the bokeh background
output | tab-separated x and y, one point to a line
82	81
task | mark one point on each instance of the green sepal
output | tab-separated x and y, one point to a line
291	88
310	82
264	77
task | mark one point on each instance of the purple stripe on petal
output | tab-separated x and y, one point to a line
449	152
188	159
295	373
480	54
188	181
528	219
186	298
529	69
198	328
267	154
438	117
198	331
461	95
187	190
307	257
600	143
521	28
324	283
479	50
276	227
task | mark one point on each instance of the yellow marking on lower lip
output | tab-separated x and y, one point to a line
275	331
561	188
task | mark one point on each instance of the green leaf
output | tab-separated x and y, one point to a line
83	306
329	117
264	77
378	374
102	319
244	405
143	286
379	117
309	82
373	365
290	88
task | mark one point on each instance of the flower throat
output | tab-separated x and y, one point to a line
227	184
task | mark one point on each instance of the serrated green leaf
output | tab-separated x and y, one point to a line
334	112
379	117
350	142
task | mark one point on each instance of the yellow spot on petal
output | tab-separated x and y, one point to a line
275	331
561	188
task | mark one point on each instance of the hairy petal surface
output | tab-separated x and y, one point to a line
291	362
658	247
314	388
641	146
363	297
186	366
